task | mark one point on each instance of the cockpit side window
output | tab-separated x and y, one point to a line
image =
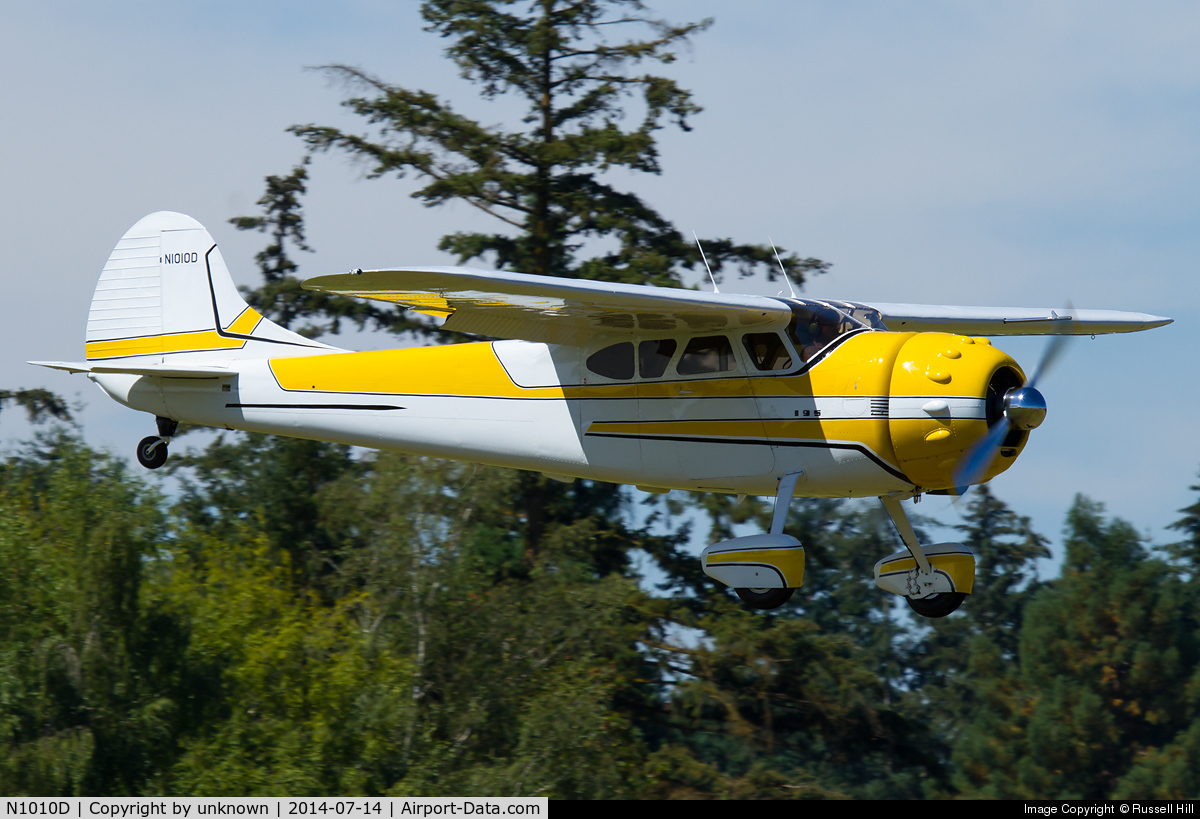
654	356
707	354
767	350
614	361
814	325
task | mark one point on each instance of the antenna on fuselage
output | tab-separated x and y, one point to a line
786	277
705	260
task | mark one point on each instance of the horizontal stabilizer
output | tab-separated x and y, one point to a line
151	370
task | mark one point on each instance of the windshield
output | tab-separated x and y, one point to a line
866	314
815	324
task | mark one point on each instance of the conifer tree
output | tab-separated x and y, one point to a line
1106	656
1172	771
281	297
940	654
544	181
1186	552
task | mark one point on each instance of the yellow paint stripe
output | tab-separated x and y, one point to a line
246	322
628	390
458	369
155	345
754	556
907	564
960	568
698	388
790	562
416	301
732	429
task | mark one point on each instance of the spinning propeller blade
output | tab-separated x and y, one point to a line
975	461
1024	408
1054	350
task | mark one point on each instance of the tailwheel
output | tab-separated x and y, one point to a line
937	605
152	452
765	598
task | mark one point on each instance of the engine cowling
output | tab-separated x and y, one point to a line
946	392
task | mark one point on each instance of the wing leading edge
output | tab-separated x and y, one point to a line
1012	321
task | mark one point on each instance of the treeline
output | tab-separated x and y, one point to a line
298	620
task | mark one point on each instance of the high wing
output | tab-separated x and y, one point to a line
551	309
1011	321
575	311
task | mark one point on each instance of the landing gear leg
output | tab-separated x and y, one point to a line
774	598
152	451
167	427
783	499
926	596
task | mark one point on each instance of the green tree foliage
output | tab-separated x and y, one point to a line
39	404
544	182
437	657
88	656
802	702
437	653
281	297
941	656
1186	553
1107	659
274	483
298	699
773	707
1172	771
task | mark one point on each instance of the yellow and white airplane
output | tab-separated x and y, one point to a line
657	387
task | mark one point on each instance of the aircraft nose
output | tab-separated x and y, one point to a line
1025	408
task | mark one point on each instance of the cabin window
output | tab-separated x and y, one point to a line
707	354
615	361
654	356
767	351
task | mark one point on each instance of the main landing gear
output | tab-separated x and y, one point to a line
933	580
765	569
152	451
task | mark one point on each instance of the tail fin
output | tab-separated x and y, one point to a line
165	295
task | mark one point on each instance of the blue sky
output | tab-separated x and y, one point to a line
945	152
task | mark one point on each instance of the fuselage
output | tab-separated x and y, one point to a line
861	413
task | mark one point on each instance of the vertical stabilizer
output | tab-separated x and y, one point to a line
165	292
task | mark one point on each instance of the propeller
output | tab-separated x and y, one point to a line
1024	408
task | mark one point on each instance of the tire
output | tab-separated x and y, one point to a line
149	455
765	598
937	605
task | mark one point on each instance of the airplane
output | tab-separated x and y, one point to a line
656	387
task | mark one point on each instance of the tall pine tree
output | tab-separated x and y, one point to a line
544	181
